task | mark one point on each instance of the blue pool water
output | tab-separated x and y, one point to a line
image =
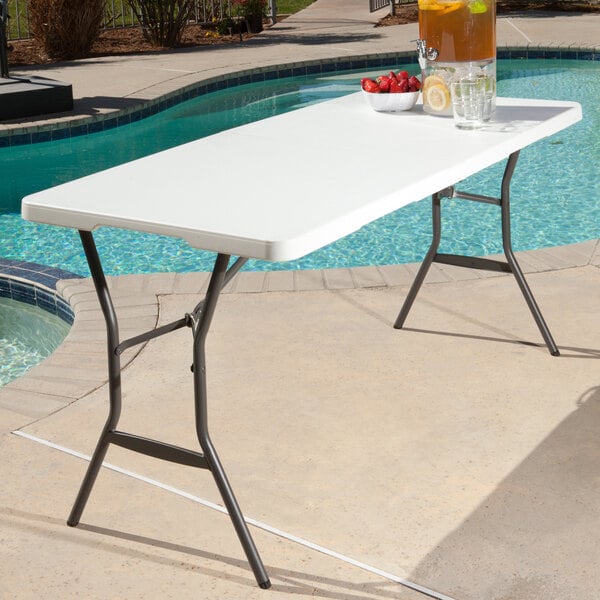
554	192
28	334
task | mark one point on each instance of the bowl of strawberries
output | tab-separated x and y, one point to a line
393	92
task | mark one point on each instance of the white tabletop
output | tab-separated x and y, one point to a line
282	187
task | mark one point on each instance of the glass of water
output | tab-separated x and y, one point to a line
472	101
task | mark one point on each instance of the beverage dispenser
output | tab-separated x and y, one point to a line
457	42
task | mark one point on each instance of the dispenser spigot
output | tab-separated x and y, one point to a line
421	47
425	53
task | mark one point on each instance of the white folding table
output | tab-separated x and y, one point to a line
333	167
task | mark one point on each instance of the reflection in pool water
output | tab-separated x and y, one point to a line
28	335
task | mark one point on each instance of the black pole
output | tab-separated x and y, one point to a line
3	40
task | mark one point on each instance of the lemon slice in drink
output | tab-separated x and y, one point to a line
452	7
430	5
441	5
437	97
432	80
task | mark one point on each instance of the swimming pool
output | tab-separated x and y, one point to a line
547	211
28	334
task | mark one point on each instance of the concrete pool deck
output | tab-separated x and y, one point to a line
487	486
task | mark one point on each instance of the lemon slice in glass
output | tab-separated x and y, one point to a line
437	97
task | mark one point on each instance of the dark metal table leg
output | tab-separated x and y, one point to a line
114	376
512	261
436	210
510	266
206	444
199	320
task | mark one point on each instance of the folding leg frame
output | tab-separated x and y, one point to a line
199	321
511	266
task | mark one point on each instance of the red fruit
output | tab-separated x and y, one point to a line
384	83
392	75
414	84
402	75
403	85
395	87
369	85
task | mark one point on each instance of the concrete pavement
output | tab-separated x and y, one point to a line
456	454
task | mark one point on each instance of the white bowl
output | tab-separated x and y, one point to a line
386	102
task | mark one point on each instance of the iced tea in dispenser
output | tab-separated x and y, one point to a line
458	41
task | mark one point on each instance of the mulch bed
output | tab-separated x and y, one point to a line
113	42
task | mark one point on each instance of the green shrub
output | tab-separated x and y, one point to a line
162	21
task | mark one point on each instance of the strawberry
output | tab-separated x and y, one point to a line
369	85
402	75
414	84
384	83
392	75
395	87
403	85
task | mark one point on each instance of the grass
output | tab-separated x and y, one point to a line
17	26
289	7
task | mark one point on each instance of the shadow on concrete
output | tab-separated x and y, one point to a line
275	36
572	351
283	580
312	39
95	104
83	107
151	551
537	534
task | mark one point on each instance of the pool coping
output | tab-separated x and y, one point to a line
77	367
77	125
35	284
53	281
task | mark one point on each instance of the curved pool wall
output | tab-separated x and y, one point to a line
33	134
35	284
27	337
